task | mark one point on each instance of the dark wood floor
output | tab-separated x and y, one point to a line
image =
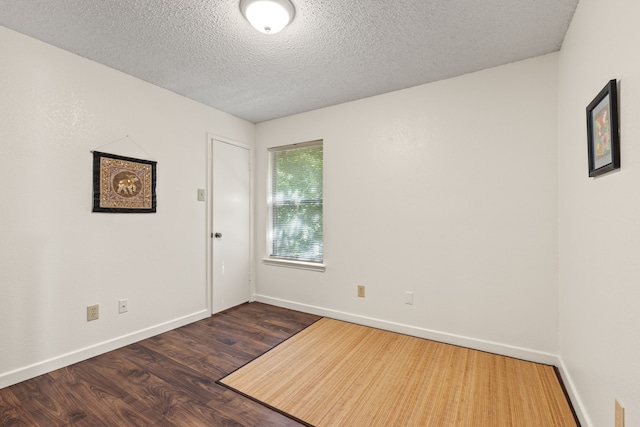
168	380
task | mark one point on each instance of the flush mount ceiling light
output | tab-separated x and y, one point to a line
267	16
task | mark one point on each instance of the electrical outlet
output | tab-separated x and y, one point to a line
93	312
408	298
619	414
123	306
361	291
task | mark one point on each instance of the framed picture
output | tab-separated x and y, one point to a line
123	184
602	131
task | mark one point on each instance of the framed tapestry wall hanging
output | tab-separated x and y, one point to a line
123	184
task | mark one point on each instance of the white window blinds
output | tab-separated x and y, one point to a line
296	202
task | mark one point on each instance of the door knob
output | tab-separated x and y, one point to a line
217	235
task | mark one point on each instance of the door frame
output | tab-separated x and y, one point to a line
211	139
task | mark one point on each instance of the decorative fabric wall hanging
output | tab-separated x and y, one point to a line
123	184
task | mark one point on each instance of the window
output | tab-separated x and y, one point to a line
295	203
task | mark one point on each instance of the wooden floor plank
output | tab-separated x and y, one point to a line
12	412
110	399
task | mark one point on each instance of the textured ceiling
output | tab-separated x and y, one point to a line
334	51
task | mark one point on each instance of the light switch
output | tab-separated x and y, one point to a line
201	195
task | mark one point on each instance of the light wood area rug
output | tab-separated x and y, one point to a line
335	373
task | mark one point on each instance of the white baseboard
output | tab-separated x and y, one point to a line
24	373
578	405
45	366
462	341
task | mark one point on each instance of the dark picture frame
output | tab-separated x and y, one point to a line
602	131
123	184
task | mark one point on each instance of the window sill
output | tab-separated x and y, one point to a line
304	265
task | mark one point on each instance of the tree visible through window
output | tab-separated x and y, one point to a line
296	202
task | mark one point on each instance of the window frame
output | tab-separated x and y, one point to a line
283	261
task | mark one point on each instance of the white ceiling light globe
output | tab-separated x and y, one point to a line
267	16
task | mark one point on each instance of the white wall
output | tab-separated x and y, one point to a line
56	257
600	218
447	190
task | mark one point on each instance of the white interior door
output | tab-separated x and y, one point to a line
231	226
